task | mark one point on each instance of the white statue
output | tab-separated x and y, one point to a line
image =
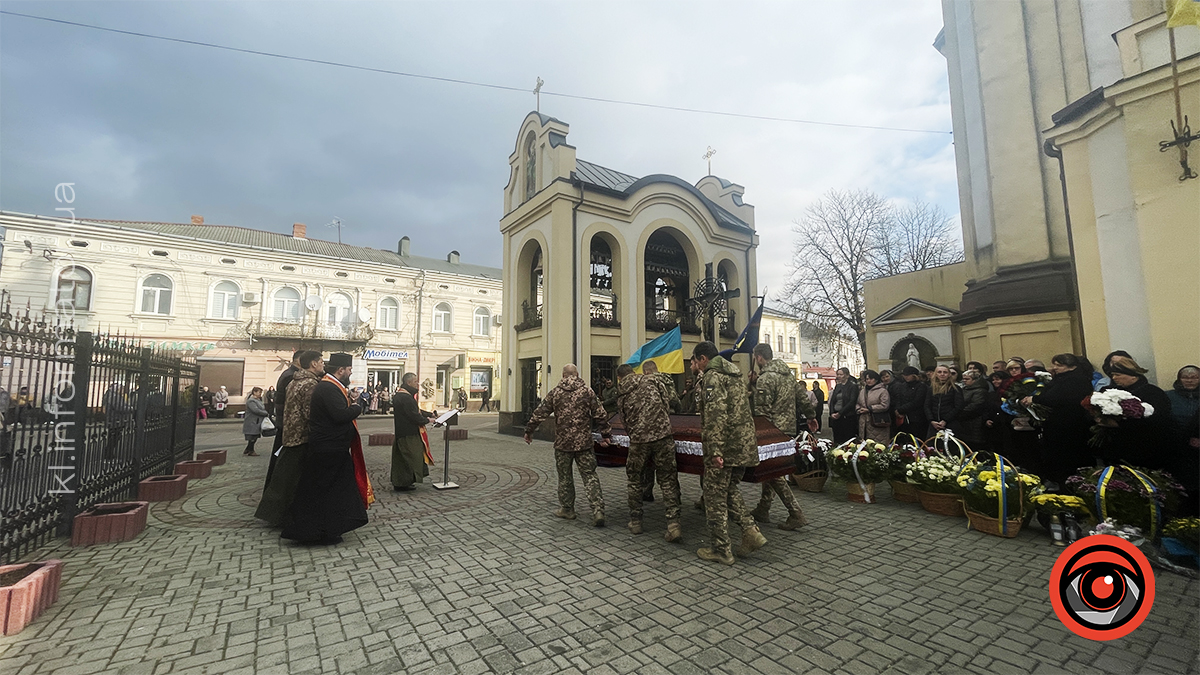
913	356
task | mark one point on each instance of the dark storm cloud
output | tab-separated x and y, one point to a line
150	130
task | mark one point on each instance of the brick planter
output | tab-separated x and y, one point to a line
163	488
381	439
26	591
105	523
195	469
217	457
457	434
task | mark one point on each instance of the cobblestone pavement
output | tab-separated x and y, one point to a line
485	579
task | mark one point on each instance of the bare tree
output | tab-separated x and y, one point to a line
848	237
918	236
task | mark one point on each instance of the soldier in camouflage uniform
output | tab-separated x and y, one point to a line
643	404
730	447
575	408
676	406
774	395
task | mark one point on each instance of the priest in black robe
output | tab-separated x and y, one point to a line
328	502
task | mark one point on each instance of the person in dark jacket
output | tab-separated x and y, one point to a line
819	393
896	392
328	502
1185	407
969	425
1066	429
408	447
944	402
1149	442
911	404
285	378
843	403
256	412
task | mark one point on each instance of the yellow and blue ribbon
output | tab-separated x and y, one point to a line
1155	511
1003	511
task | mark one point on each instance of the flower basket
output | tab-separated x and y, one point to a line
1142	498
904	492
989	525
813	481
855	493
941	504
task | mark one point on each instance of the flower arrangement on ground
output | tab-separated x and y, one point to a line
1051	504
935	473
991	487
1028	385
1127	532
1186	530
1109	407
901	456
868	457
811	452
1142	498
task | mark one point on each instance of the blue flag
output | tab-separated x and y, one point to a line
749	337
665	350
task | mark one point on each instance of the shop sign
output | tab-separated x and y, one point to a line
384	355
481	359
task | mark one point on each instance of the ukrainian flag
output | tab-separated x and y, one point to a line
666	351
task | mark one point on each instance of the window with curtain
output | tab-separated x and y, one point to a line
74	288
792	345
483	321
156	294
779	342
389	314
225	297
441	317
337	310
286	306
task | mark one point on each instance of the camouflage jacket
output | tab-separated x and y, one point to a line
726	426
775	396
296	407
575	408
668	383
644	406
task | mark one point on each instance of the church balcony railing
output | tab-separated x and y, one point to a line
604	314
531	317
726	326
309	329
663	320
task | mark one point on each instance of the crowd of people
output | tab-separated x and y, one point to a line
1033	414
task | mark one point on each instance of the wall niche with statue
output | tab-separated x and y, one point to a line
913	350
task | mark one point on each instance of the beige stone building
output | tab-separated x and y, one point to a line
1101	257
242	300
597	262
792	341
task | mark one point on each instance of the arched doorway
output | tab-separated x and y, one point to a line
668	278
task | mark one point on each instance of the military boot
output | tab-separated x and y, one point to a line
752	540
635	527
762	512
795	521
598	520
568	514
674	532
724	557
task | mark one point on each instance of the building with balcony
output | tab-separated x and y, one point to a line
597	262
242	300
809	356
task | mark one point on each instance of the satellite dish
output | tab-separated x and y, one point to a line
364	315
313	302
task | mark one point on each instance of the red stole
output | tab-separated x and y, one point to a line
356	454
424	436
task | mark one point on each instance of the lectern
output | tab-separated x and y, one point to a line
449	419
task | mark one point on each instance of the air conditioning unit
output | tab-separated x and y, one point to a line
497	320
250	297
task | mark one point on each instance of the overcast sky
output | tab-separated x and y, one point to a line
152	130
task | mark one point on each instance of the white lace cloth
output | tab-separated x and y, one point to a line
765	452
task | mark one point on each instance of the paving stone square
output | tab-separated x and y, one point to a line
484	579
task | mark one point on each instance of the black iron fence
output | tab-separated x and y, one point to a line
83	418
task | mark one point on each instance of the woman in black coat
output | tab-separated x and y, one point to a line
1149	442
944	402
1066	429
843	407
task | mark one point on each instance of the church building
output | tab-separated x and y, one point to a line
597	262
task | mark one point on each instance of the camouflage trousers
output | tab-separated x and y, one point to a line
662	453
723	501
586	461
778	486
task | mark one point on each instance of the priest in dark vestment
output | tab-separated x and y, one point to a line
411	445
277	411
293	429
328	501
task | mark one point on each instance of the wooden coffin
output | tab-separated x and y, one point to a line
776	450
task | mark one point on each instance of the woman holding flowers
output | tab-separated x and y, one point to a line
1147	441
874	405
971	418
944	403
1065	429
